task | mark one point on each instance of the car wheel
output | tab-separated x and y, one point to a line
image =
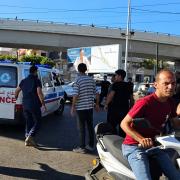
60	110
65	97
70	100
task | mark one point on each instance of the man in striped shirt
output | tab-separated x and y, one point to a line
83	104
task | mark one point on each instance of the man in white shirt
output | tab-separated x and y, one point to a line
81	59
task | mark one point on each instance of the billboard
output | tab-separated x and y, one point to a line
99	59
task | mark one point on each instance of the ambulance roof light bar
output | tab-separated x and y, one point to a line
6	61
25	63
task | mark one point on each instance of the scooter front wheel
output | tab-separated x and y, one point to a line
103	174
98	172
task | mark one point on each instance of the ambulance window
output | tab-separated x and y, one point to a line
46	79
8	76
26	73
56	79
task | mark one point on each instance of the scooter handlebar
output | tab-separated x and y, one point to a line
152	149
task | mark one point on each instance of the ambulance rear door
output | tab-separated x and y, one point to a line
8	84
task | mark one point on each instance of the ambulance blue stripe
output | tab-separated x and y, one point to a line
61	93
50	96
51	100
53	96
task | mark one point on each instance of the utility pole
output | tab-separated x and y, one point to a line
127	35
157	58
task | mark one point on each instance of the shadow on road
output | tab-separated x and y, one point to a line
45	173
46	148
12	131
56	133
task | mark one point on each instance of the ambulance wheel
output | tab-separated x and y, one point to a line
65	97
60	110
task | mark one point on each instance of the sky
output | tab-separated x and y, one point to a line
161	16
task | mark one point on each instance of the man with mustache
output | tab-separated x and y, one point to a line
156	108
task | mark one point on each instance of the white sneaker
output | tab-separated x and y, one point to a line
29	141
79	150
88	147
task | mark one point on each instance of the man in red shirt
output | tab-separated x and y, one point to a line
156	108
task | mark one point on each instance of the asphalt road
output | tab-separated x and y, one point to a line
54	159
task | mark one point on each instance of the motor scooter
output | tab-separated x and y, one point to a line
112	165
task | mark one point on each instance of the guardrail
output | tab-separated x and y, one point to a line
86	25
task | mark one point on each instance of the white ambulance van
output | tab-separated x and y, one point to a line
11	75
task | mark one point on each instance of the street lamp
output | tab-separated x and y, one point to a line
127	35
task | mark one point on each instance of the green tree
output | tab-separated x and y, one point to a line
47	61
31	58
8	57
37	60
150	63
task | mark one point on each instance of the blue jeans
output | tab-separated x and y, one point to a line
139	162
85	117
33	119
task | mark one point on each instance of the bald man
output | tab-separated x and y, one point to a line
156	108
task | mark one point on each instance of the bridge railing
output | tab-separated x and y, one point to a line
86	25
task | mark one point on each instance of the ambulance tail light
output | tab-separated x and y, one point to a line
18	107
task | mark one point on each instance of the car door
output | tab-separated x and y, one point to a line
8	84
57	84
49	91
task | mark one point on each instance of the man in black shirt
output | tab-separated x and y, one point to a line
119	100
131	84
32	101
104	89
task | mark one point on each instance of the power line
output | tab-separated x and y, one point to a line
158	12
104	8
158	4
58	12
97	11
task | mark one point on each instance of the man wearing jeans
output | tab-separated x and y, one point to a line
155	108
33	99
83	103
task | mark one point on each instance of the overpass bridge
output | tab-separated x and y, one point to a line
17	33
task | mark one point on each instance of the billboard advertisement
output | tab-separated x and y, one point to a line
99	59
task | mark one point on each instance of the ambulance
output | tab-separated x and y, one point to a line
11	74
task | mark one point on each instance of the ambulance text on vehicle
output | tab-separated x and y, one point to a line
10	77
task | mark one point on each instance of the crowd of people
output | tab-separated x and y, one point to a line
121	110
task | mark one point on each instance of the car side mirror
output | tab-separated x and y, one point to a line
46	85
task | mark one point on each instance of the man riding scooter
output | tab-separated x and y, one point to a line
156	108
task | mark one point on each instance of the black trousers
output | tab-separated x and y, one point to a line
33	121
102	95
114	117
85	118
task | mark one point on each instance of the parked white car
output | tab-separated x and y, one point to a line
68	91
141	90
